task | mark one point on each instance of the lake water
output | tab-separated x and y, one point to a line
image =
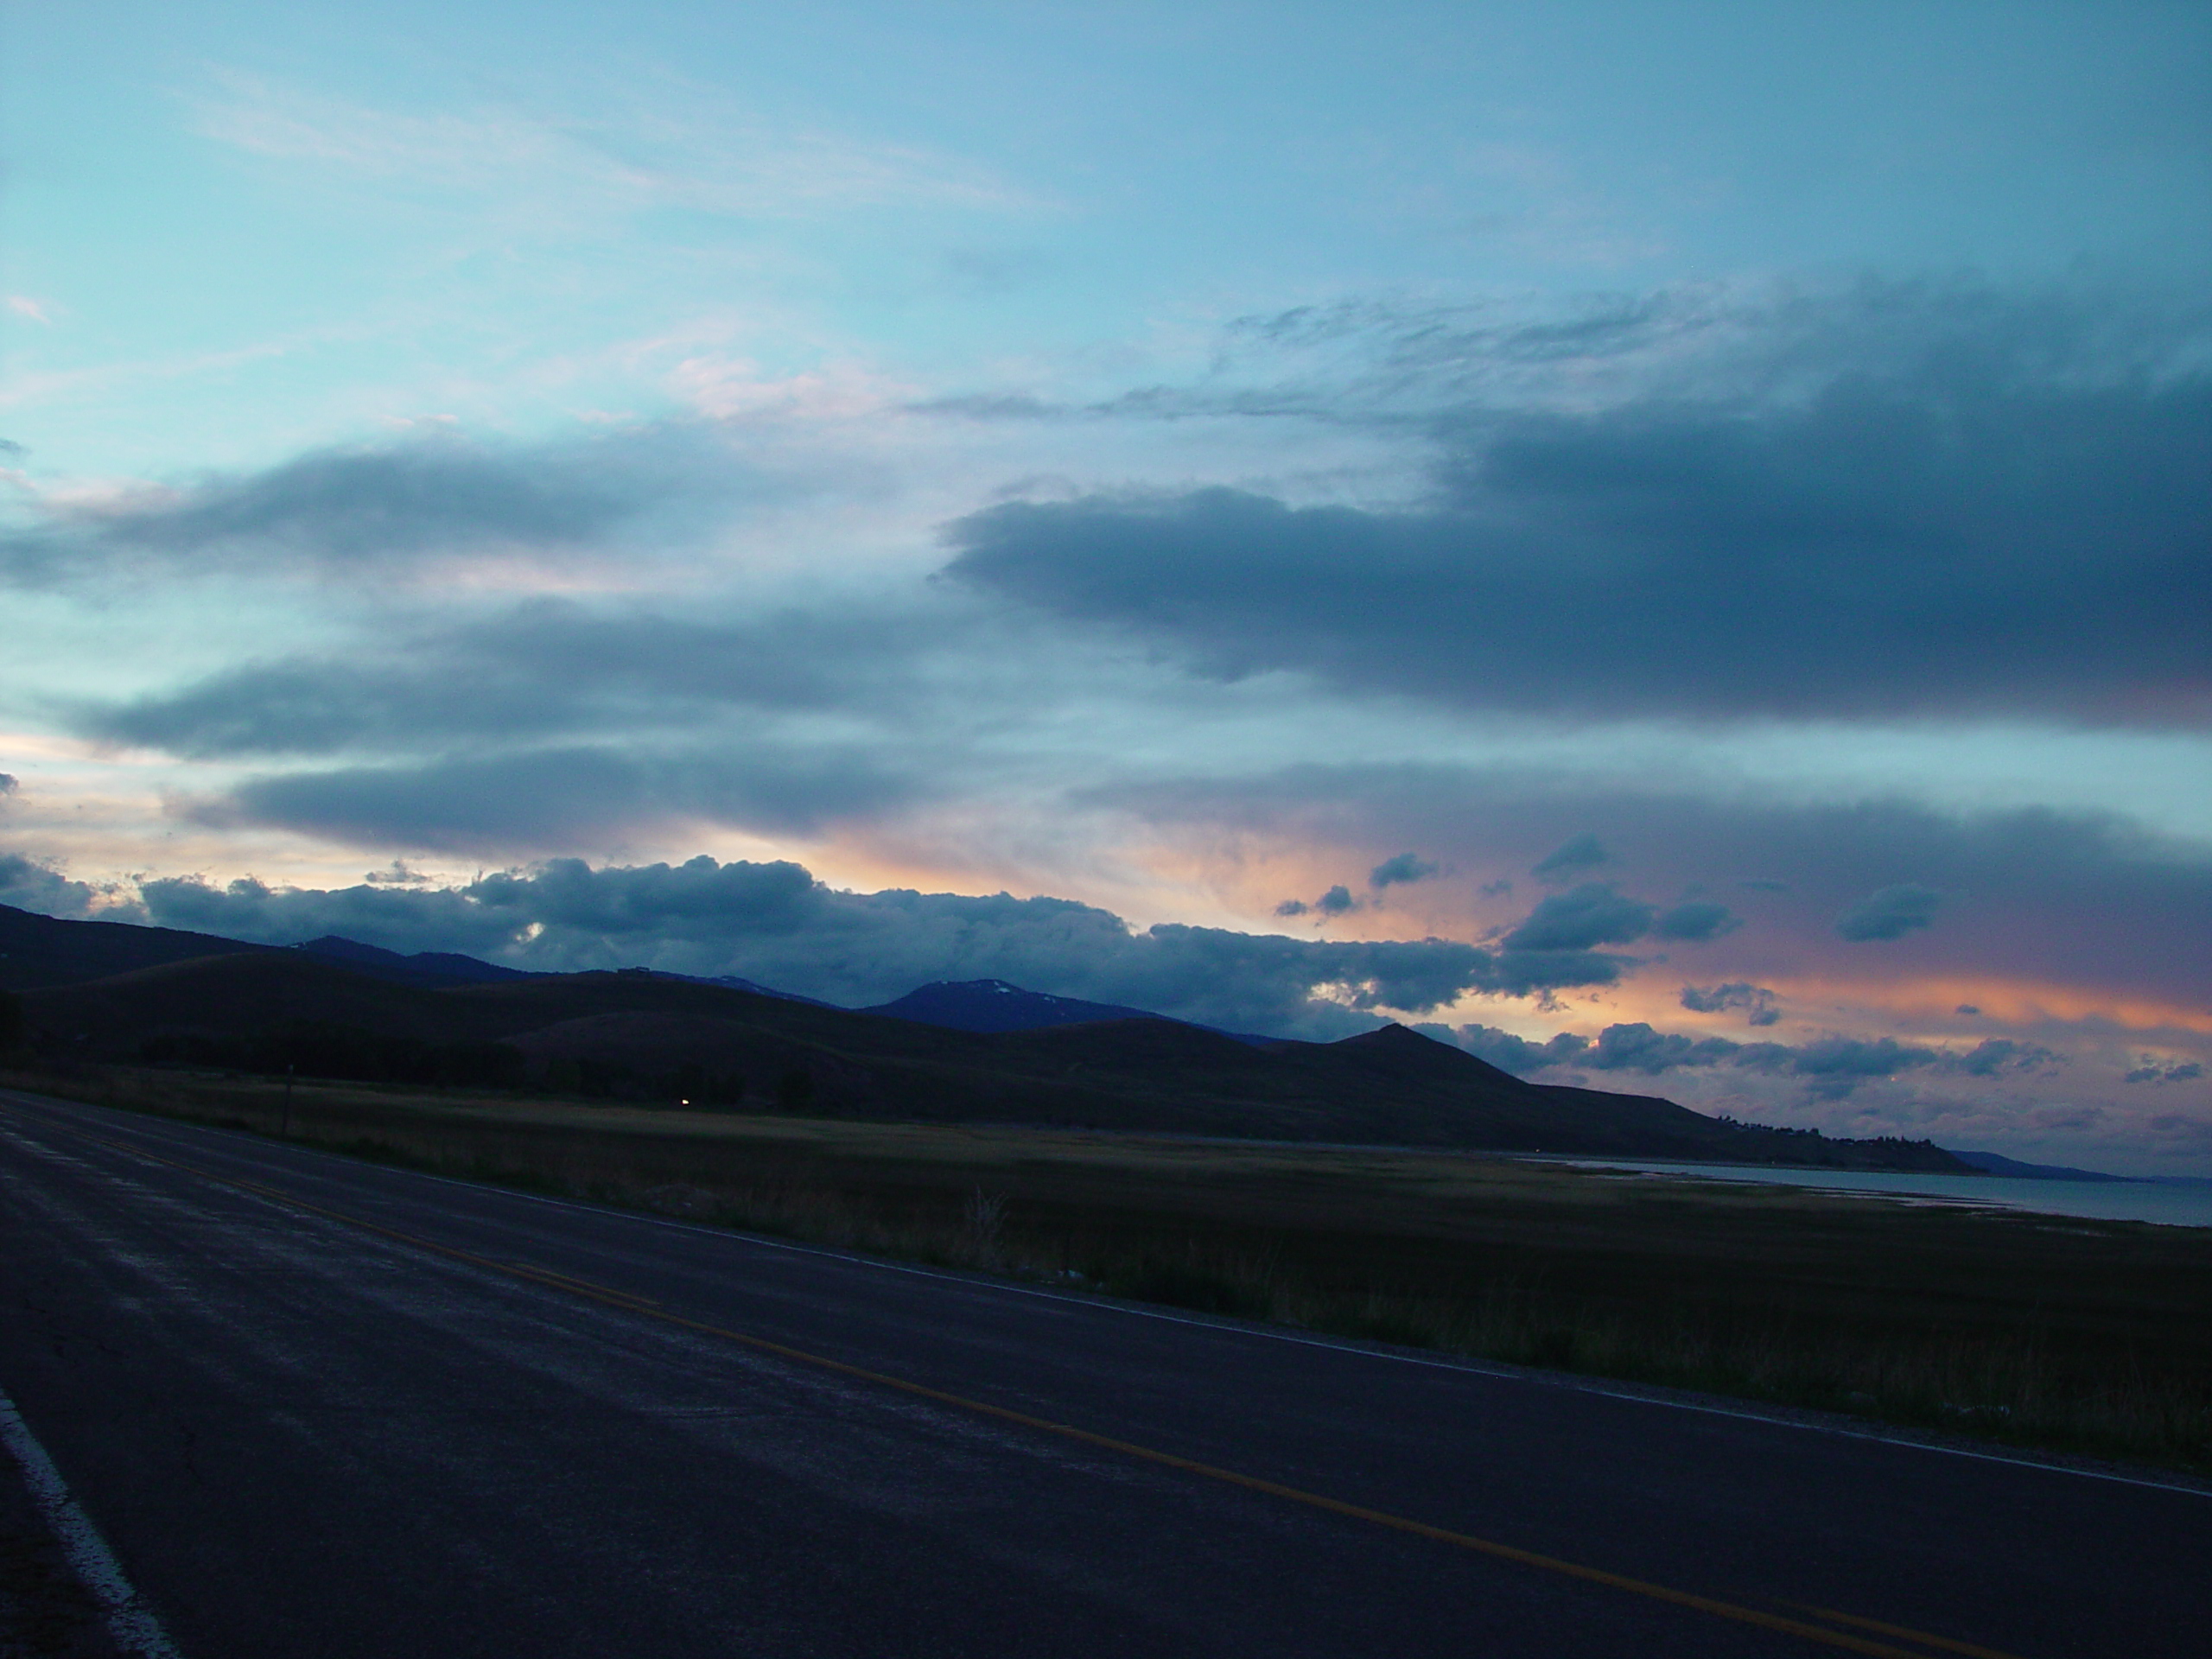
2180	1204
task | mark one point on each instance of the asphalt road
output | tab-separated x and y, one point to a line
317	1407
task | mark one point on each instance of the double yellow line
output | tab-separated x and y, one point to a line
1823	1634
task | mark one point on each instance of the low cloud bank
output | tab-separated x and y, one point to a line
776	924
28	885
1831	1067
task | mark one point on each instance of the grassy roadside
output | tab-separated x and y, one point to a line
2081	1335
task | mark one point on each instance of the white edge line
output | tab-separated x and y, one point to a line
1501	1372
128	1618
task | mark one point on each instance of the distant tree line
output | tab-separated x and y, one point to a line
315	1048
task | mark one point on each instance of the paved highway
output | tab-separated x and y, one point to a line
316	1407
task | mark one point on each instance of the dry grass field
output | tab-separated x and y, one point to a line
2095	1336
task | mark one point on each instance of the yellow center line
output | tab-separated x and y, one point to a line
1864	1623
623	1299
562	1282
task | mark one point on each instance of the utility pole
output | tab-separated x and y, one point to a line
284	1124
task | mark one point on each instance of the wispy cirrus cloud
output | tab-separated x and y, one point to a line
671	145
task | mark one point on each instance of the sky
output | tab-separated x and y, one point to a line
1670	546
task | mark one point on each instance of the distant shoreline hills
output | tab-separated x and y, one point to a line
979	1051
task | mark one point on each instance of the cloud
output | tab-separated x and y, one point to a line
1337	901
1638	1047
2156	1071
1590	915
7	784
2091	907
660	148
1813	531
775	923
1516	1054
547	668
368	511
1696	921
30	884
1404	868
567	796
1832	1067
1757	1001
1583	853
1890	913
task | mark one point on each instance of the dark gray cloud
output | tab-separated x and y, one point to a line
775	923
1638	1047
1337	901
1584	853
1997	513
1404	868
1890	913
1755	1000
1998	1054
1831	1067
543	669
30	884
1590	915
1515	1054
2188	1071
367	510
1695	920
565	795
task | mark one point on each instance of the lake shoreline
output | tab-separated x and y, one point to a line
2164	1201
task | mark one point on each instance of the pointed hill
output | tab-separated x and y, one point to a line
993	1004
423	968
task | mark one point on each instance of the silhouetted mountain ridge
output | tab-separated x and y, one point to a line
423	967
993	1004
655	1038
39	950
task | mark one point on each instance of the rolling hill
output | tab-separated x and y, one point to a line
649	1037
993	1004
